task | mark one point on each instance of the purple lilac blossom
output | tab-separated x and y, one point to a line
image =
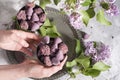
114	10
86	36
76	20
97	53
111	1
90	50
74	17
68	8
80	1
89	44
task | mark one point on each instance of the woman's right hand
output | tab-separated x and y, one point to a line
29	68
35	70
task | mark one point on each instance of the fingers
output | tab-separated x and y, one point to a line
33	47
59	67
22	42
22	46
55	69
19	47
63	62
26	51
34	62
28	61
39	71
25	47
19	40
33	44
27	40
27	35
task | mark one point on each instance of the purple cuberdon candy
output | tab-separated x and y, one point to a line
46	39
60	55
55	44
38	11
35	26
30	10
47	61
24	25
45	49
35	17
21	15
63	47
55	61
42	17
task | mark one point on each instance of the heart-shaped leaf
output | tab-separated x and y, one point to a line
101	18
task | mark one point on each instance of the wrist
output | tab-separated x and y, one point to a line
22	71
13	72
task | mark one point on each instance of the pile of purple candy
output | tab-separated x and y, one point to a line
31	17
51	51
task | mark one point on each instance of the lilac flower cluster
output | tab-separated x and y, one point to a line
71	8
76	20
113	9
97	51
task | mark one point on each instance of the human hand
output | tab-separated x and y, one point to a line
36	70
29	68
17	40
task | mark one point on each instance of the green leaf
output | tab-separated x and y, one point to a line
56	1
62	11
47	23
42	31
85	62
72	75
17	26
86	3
14	18
92	72
101	66
71	64
69	2
52	32
48	28
85	17
95	44
93	1
91	12
101	18
104	5
78	46
43	3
